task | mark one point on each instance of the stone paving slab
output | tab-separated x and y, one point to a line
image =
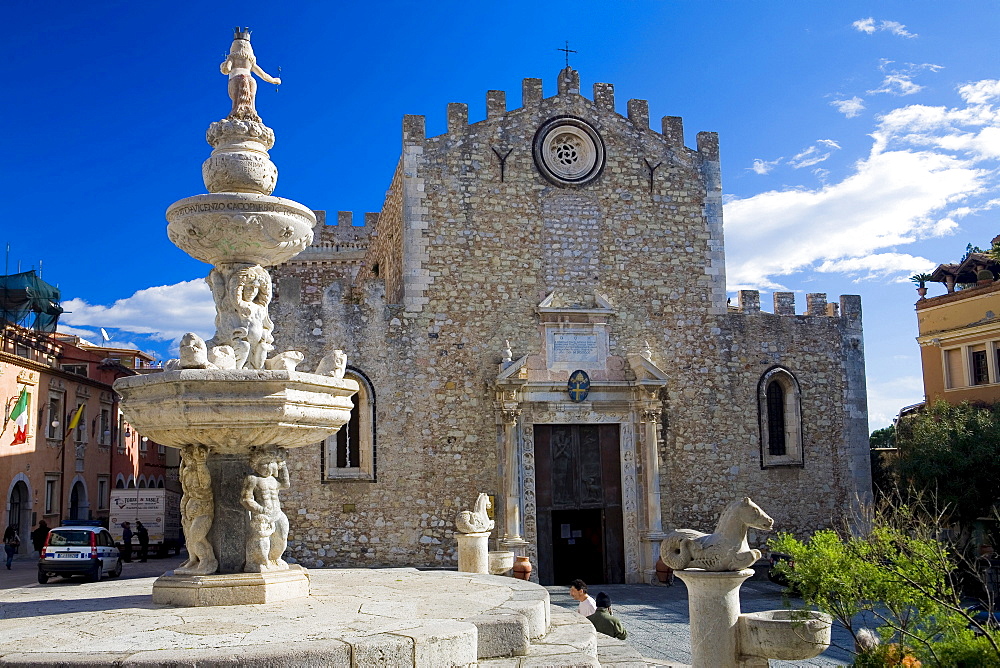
353	617
656	618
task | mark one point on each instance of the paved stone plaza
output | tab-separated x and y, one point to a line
656	617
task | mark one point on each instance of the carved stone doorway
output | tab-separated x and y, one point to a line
579	503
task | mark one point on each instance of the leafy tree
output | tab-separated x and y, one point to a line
899	572
953	453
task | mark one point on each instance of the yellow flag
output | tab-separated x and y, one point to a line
76	418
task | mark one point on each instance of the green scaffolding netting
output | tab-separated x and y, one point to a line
27	300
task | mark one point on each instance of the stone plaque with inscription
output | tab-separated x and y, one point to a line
574	347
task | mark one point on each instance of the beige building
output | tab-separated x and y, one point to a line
539	312
959	333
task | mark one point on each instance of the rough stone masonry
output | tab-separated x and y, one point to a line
586	241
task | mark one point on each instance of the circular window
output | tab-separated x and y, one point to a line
568	151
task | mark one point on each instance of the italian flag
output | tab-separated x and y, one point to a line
20	417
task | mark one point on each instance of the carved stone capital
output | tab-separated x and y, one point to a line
510	415
651	416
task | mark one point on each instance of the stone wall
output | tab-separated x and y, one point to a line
466	255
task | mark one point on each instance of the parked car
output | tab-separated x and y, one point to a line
79	549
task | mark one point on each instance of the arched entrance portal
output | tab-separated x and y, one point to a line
19	513
79	509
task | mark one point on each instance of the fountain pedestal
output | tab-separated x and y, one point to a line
713	612
231	588
723	637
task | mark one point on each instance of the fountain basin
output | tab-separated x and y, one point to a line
233	410
240	227
789	635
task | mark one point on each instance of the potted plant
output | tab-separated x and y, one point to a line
921	282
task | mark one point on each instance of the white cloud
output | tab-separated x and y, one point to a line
899	80
815	154
870	27
927	167
865	25
980	92
849	108
877	264
764	166
164	313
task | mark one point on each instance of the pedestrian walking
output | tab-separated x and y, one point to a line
126	542
143	536
11	541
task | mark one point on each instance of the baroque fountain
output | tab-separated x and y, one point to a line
230	404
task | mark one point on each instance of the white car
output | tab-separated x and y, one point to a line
84	549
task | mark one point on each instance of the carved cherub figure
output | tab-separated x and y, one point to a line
334	364
242	293
268	534
194	352
197	511
476	520
241	65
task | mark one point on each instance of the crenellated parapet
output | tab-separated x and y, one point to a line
568	84
848	307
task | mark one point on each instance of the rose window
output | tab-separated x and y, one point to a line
568	151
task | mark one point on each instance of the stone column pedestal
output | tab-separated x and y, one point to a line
473	552
231	523
714	611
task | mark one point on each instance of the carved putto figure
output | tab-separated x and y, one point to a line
268	535
240	65
242	293
197	510
726	549
476	520
334	364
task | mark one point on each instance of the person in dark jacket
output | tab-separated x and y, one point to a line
39	535
604	621
143	535
11	541
126	542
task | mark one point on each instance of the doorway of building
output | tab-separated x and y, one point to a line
19	513
78	506
579	503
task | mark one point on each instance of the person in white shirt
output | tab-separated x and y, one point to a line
578	590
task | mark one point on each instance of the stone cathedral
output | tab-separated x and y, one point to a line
539	312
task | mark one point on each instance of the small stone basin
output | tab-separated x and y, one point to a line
232	410
501	562
789	635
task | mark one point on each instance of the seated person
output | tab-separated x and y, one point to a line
604	621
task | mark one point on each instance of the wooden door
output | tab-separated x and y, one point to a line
579	503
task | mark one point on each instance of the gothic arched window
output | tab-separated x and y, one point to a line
350	453
778	402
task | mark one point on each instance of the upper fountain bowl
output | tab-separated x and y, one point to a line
240	227
232	410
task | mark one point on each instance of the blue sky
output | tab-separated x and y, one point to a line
860	141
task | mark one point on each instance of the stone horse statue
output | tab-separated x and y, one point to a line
726	549
476	520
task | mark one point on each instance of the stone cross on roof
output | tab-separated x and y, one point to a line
568	51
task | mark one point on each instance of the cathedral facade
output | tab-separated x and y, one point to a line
539	312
